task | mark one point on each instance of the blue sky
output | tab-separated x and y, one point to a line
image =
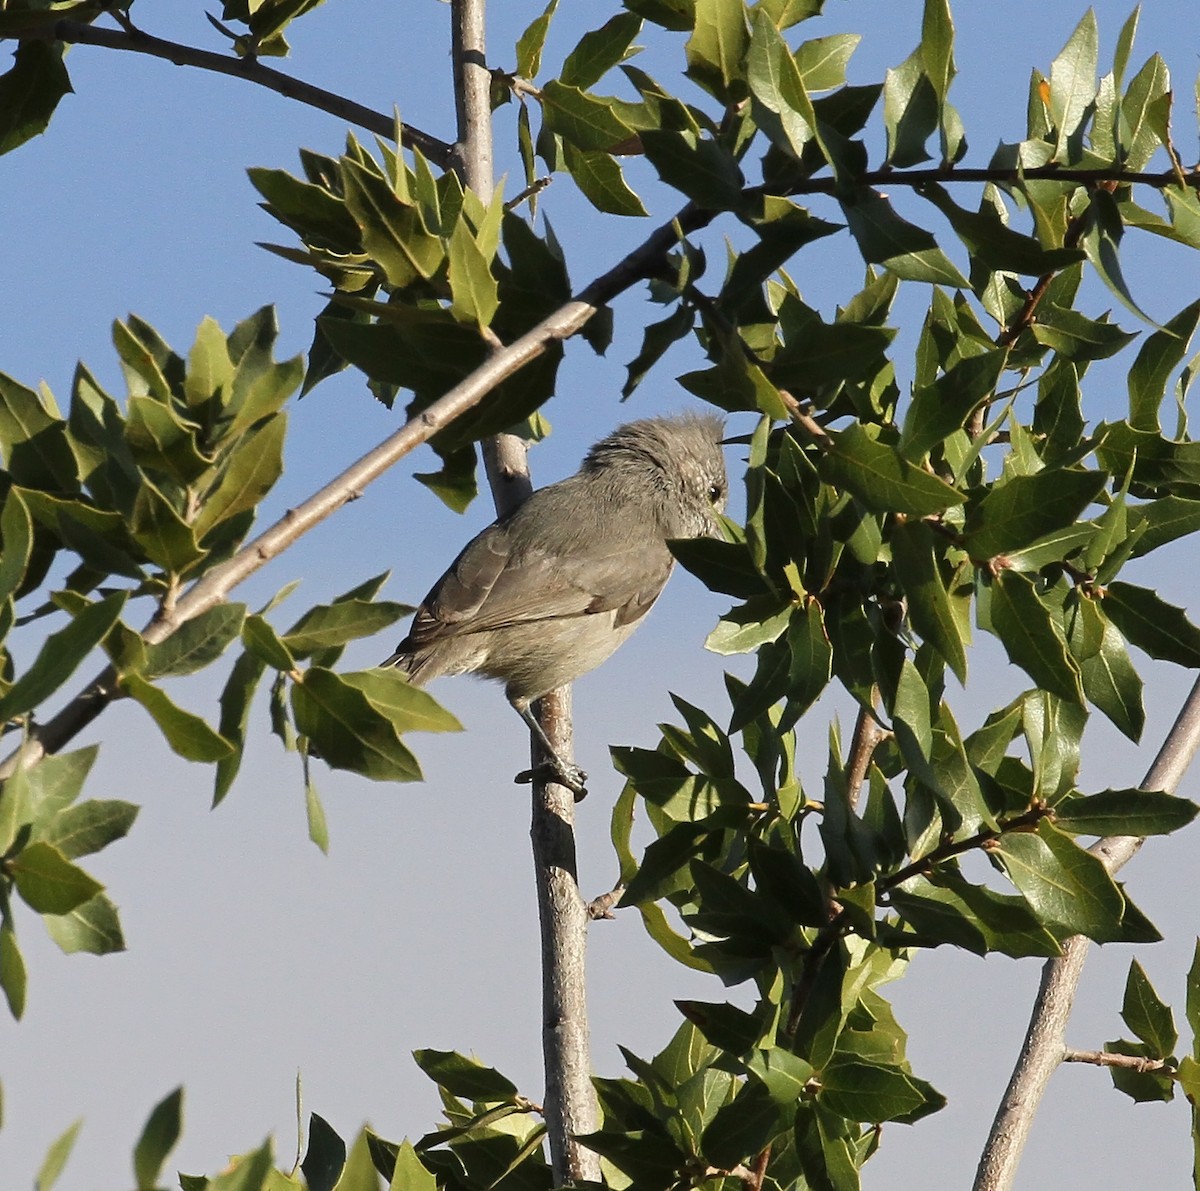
251	954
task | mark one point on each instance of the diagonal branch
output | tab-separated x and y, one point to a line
251	70
220	581
1044	1047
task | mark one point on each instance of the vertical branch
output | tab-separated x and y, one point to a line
570	1101
1044	1046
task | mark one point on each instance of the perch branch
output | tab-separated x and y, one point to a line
1043	1048
250	69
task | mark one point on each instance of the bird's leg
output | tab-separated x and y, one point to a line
554	767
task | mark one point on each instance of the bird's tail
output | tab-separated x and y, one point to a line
408	662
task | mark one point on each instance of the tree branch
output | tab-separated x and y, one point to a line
1043	1048
1106	1058
251	70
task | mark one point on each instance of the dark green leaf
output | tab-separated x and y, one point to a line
30	90
1151	370
884	238
861	1091
1146	1015
930	608
1031	636
12	970
16	535
159	528
882	478
329	625
1109	678
587	123
89	826
346	731
702	169
1125	812
600	50
61	654
1149	622
600	179
531	42
246	477
187	734
409	708
937	410
1067	886
1025	508
325	1157
196	642
744	1127
717	47
465	1077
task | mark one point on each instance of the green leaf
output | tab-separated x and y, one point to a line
16	534
656	339
465	1077
746	1125
600	50
1103	229
56	1157
531	42
325	1157
880	477
265	644
698	167
12	970
158	1139
30	90
61	654
1157	357
861	1091
159	438
884	238
409	708
473	290
314	813
187	734
195	643
1022	509
1124	812
1109	678
993	243
89	826
717	47
745	628
236	696
587	123
393	232
157	526
346	731
1065	885
721	566
92	927
48	882
600	180
915	564
410	1173
330	625
1146	1015
246	477
1031	636
782	107
1154	626
939	409
1073	85
1164	520
822	60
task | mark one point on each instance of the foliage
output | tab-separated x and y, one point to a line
884	523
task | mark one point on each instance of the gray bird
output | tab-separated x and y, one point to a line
548	592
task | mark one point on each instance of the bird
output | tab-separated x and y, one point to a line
550	590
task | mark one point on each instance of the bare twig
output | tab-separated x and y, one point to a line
250	69
869	733
1043	1048
1106	1058
602	907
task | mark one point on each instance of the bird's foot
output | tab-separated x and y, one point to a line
557	770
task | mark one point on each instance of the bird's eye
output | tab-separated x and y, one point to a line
716	493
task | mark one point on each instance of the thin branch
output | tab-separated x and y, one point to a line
1106	1058
869	734
1043	1048
251	70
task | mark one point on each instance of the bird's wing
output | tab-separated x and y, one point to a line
489	588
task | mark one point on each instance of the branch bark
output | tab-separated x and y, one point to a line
250	69
570	1099
1044	1047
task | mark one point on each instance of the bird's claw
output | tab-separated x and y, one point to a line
562	772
